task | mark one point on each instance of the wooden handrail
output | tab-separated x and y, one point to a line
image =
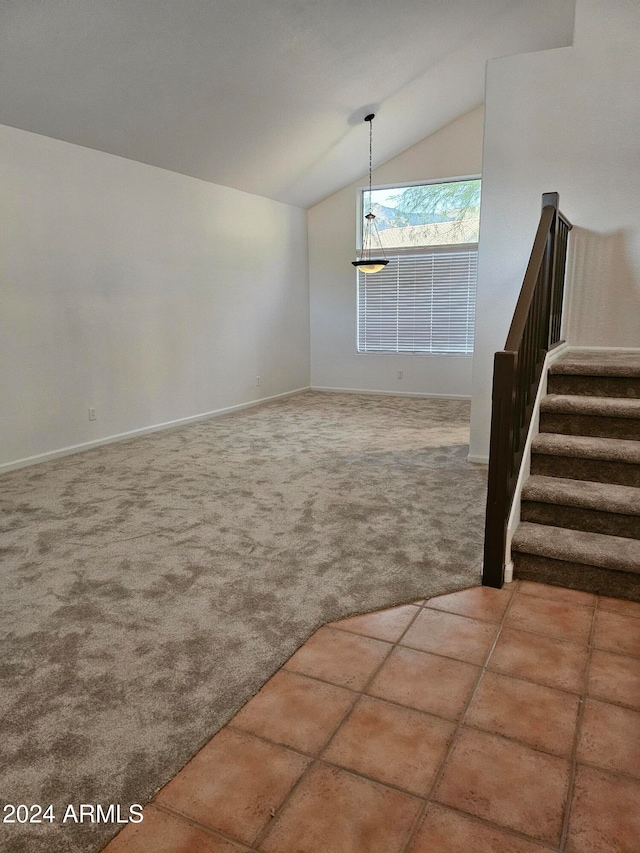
534	330
521	312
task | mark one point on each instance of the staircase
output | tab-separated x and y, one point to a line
580	509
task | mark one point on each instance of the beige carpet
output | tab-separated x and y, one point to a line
150	587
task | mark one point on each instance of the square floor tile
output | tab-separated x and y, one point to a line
538	716
614	678
339	657
617	633
605	813
479	602
619	605
553	618
451	635
387	624
506	783
557	593
444	831
233	783
541	659
332	810
391	744
610	737
427	682
160	832
296	711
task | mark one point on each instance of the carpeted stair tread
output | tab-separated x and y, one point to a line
611	407
599	363
602	497
587	447
578	546
580	508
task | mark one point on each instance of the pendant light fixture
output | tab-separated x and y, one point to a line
372	257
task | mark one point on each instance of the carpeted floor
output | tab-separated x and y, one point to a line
150	587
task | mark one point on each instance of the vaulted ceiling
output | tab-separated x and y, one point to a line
267	96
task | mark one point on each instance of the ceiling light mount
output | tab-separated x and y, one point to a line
372	257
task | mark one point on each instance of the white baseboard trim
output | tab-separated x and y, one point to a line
122	436
480	460
390	393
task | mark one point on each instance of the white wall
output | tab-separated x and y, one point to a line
148	295
565	120
454	151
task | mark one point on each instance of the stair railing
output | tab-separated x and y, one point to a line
535	329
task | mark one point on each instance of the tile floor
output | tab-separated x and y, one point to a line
486	720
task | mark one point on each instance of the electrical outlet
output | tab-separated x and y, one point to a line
400	374
92	414
258	380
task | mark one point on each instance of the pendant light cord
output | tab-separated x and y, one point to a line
370	229
370	160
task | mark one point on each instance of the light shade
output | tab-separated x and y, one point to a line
371	265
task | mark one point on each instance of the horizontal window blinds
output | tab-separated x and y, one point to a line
420	303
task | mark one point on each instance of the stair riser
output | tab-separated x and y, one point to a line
594	386
591	425
596	470
578	518
577	576
558	534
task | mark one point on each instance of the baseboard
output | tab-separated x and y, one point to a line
122	436
480	460
391	393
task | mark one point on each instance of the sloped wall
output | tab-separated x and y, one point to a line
150	296
565	120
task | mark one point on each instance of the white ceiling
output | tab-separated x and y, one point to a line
267	96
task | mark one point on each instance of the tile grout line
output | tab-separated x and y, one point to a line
362	692
514	833
184	818
319	759
618	613
598	603
264	832
313	758
238	728
457	731
459	660
616	774
566	818
316	759
525	630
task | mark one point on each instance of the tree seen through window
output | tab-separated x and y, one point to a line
426	215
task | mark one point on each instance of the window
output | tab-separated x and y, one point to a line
423	302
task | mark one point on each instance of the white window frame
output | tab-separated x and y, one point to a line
417	250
